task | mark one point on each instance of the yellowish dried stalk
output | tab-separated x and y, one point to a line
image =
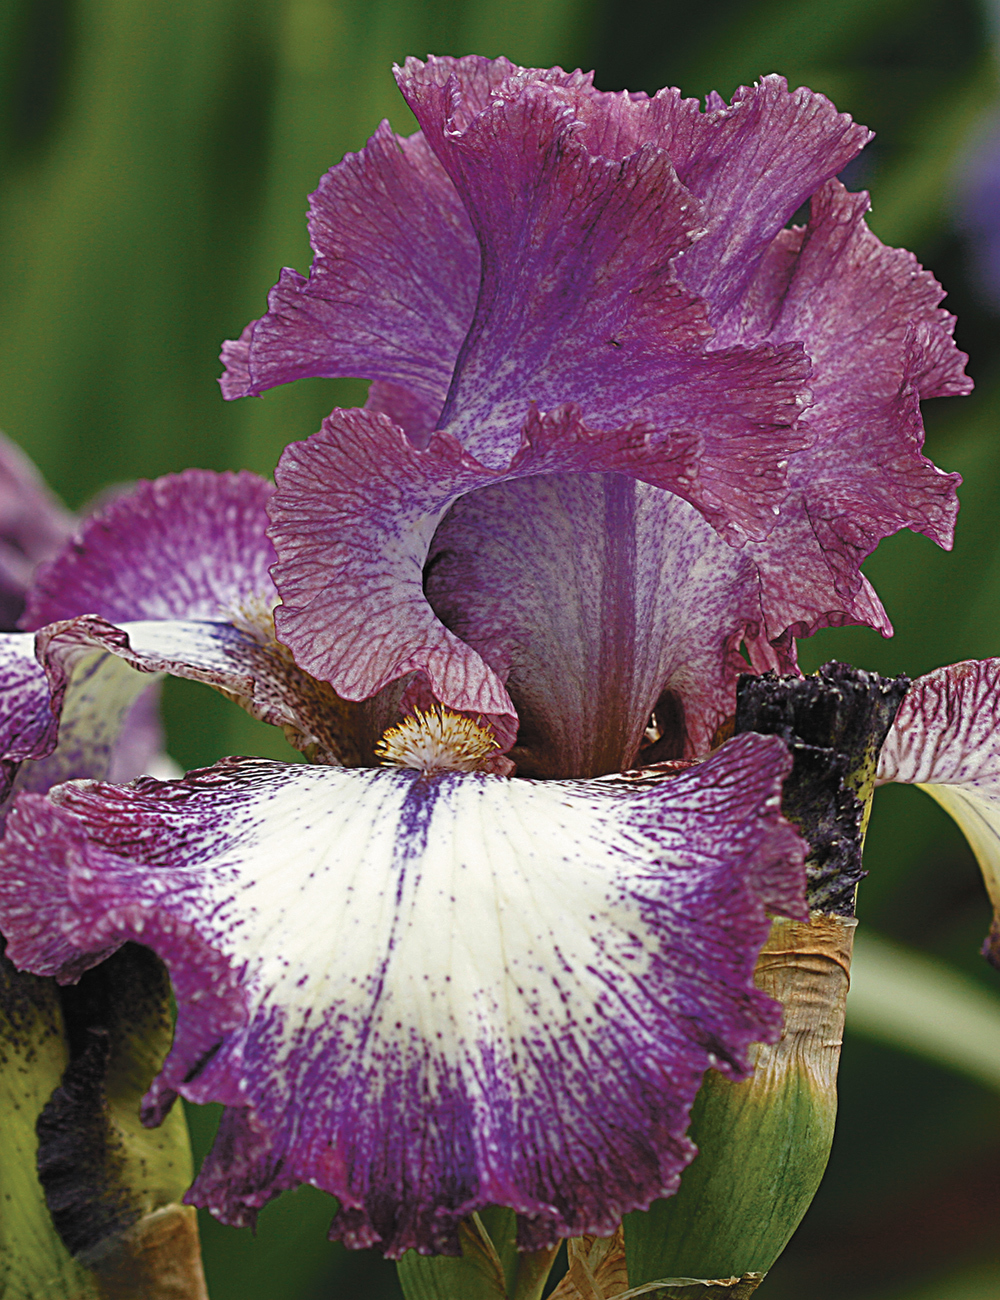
158	1258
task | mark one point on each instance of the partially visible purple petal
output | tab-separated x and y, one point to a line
33	527
424	1020
415	416
243	663
392	287
27	722
34	892
598	600
92	716
946	740
235	356
977	206
185	546
140	748
90	697
46	854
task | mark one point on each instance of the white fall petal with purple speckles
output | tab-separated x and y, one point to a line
426	994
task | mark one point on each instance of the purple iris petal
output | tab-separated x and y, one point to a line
392	292
628	257
598	600
188	546
876	354
430	994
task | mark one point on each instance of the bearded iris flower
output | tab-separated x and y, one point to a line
624	418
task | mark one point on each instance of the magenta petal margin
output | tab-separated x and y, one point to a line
429	994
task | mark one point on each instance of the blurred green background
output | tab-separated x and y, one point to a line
156	160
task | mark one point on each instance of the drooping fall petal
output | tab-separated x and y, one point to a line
427	994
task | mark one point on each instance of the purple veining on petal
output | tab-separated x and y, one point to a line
753	163
579	302
185	546
33	527
947	729
352	521
877	351
392	288
439	993
597	600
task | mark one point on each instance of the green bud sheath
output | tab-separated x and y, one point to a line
763	1143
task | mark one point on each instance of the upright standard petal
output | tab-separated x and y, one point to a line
428	994
579	302
946	740
870	321
392	288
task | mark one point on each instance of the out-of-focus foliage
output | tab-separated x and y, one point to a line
156	159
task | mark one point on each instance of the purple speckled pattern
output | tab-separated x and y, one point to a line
628	258
428	994
185	546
